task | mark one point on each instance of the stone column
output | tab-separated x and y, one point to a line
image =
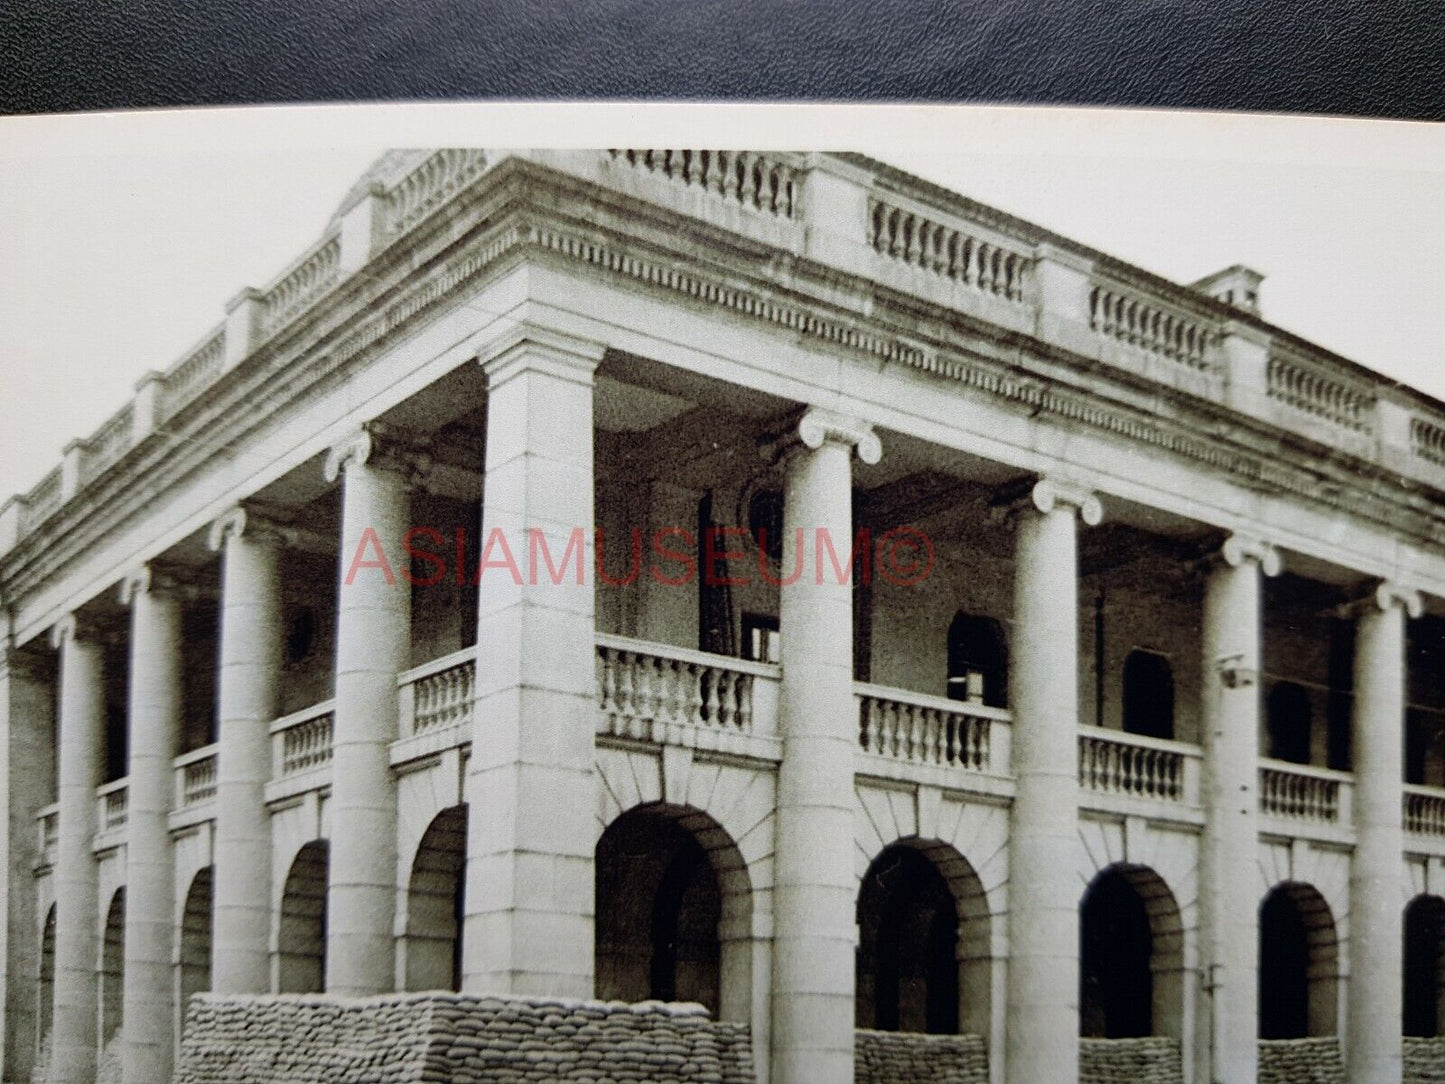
27	716
1375	1002
1229	726
247	700
155	713
531	787
373	646
815	885
1042	1046
81	740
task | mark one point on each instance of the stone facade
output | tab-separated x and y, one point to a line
312	681
456	1039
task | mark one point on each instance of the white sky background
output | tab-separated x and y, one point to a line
123	236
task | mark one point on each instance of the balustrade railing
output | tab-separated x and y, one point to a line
1151	326
301	285
112	804
925	729
1300	792
951	252
1314	392
195	777
184	381
110	442
43	499
438	695
302	741
435	180
1424	810
1113	762
758	182
1427	440
642	685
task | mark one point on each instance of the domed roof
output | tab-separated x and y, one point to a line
389	168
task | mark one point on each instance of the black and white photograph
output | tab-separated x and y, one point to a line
506	594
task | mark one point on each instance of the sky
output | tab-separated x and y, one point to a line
122	236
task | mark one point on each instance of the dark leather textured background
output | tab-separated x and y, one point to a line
1364	57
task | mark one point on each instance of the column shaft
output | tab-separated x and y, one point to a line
27	710
247	700
530	780
815	889
1043	980
1229	905
148	998
82	727
1375	1002
373	646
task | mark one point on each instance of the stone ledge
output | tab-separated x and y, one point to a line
439	1038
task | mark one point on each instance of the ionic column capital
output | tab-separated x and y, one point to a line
74	628
149	579
244	521
1048	494
1239	548
380	448
815	427
1383	597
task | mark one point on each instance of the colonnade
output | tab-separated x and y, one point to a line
529	875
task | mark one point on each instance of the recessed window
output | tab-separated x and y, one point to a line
977	669
301	636
1148	695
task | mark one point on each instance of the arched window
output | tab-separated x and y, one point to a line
1424	966
1298	964
665	877
977	663
112	968
1116	947
301	932
1288	715
435	905
194	971
1148	695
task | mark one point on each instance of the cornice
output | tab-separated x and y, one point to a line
503	217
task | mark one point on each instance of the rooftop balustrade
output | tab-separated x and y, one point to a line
894	221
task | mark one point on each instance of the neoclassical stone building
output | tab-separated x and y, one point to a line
980	636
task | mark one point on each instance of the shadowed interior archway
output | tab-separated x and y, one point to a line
1298	964
1424	967
193	969
434	905
1131	956
45	989
674	911
112	968
924	954
301	924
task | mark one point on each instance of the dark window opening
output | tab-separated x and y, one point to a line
1289	717
977	662
1116	946
1424	966
908	968
1148	695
